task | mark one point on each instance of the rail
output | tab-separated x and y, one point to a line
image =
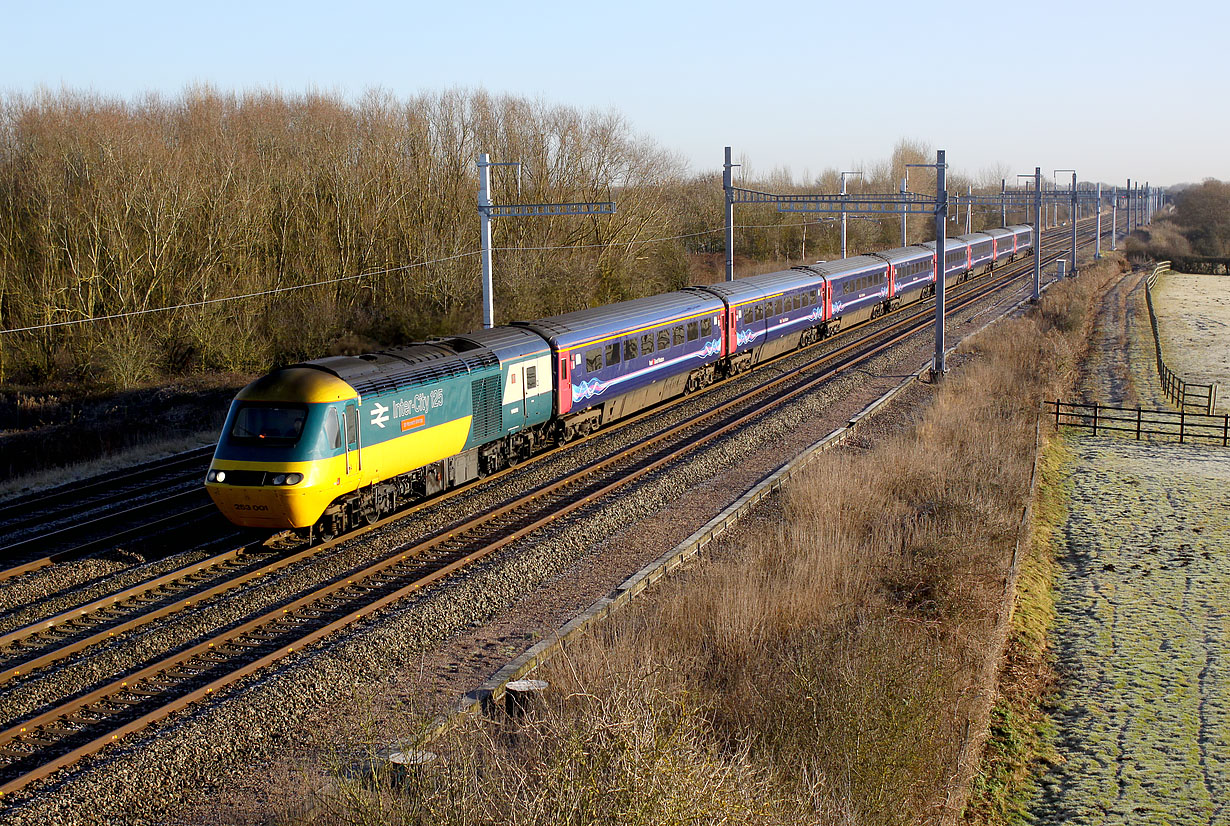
1182	393
1183	426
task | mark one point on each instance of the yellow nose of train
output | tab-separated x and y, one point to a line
282	457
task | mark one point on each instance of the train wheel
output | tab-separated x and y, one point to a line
325	529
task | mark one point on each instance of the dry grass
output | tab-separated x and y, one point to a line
833	670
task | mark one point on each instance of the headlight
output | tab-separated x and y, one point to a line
212	476
294	478
221	476
279	479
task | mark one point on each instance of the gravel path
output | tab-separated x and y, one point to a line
1143	637
265	746
1121	366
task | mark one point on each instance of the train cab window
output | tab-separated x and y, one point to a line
646	344
678	335
593	360
333	430
693	331
759	311
706	327
664	339
630	348
531	377
261	424
612	353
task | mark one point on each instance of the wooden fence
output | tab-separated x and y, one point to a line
1183	426
1183	393
1201	265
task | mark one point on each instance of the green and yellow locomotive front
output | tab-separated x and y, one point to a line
282	456
349	437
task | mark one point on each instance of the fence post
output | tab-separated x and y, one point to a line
1182	415
1095	418
1225	430
1056	415
1138	423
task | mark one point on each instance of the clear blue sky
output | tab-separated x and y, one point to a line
803	85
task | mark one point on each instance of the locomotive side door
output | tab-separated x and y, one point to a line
350	422
534	380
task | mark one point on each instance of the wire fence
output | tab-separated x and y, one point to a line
1183	393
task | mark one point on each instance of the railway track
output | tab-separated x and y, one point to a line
93	516
115	487
55	738
58	736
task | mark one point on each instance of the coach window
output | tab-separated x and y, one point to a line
593	360
678	335
777	307
759	311
612	353
630	348
693	331
664	339
646	344
798	301
706	327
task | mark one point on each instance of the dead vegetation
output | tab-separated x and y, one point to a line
839	669
113	207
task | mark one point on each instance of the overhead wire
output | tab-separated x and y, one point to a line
188	305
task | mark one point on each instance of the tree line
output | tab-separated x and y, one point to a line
114	207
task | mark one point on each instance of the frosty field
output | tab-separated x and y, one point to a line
1193	316
1143	638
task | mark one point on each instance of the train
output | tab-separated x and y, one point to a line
326	445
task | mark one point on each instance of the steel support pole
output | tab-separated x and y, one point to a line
1130	198
1037	232
1097	235
729	186
941	243
1148	206
843	216
484	221
904	213
1003	202
969	209
1073	217
1114	219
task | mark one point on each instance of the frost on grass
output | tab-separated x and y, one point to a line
1143	639
1193	317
